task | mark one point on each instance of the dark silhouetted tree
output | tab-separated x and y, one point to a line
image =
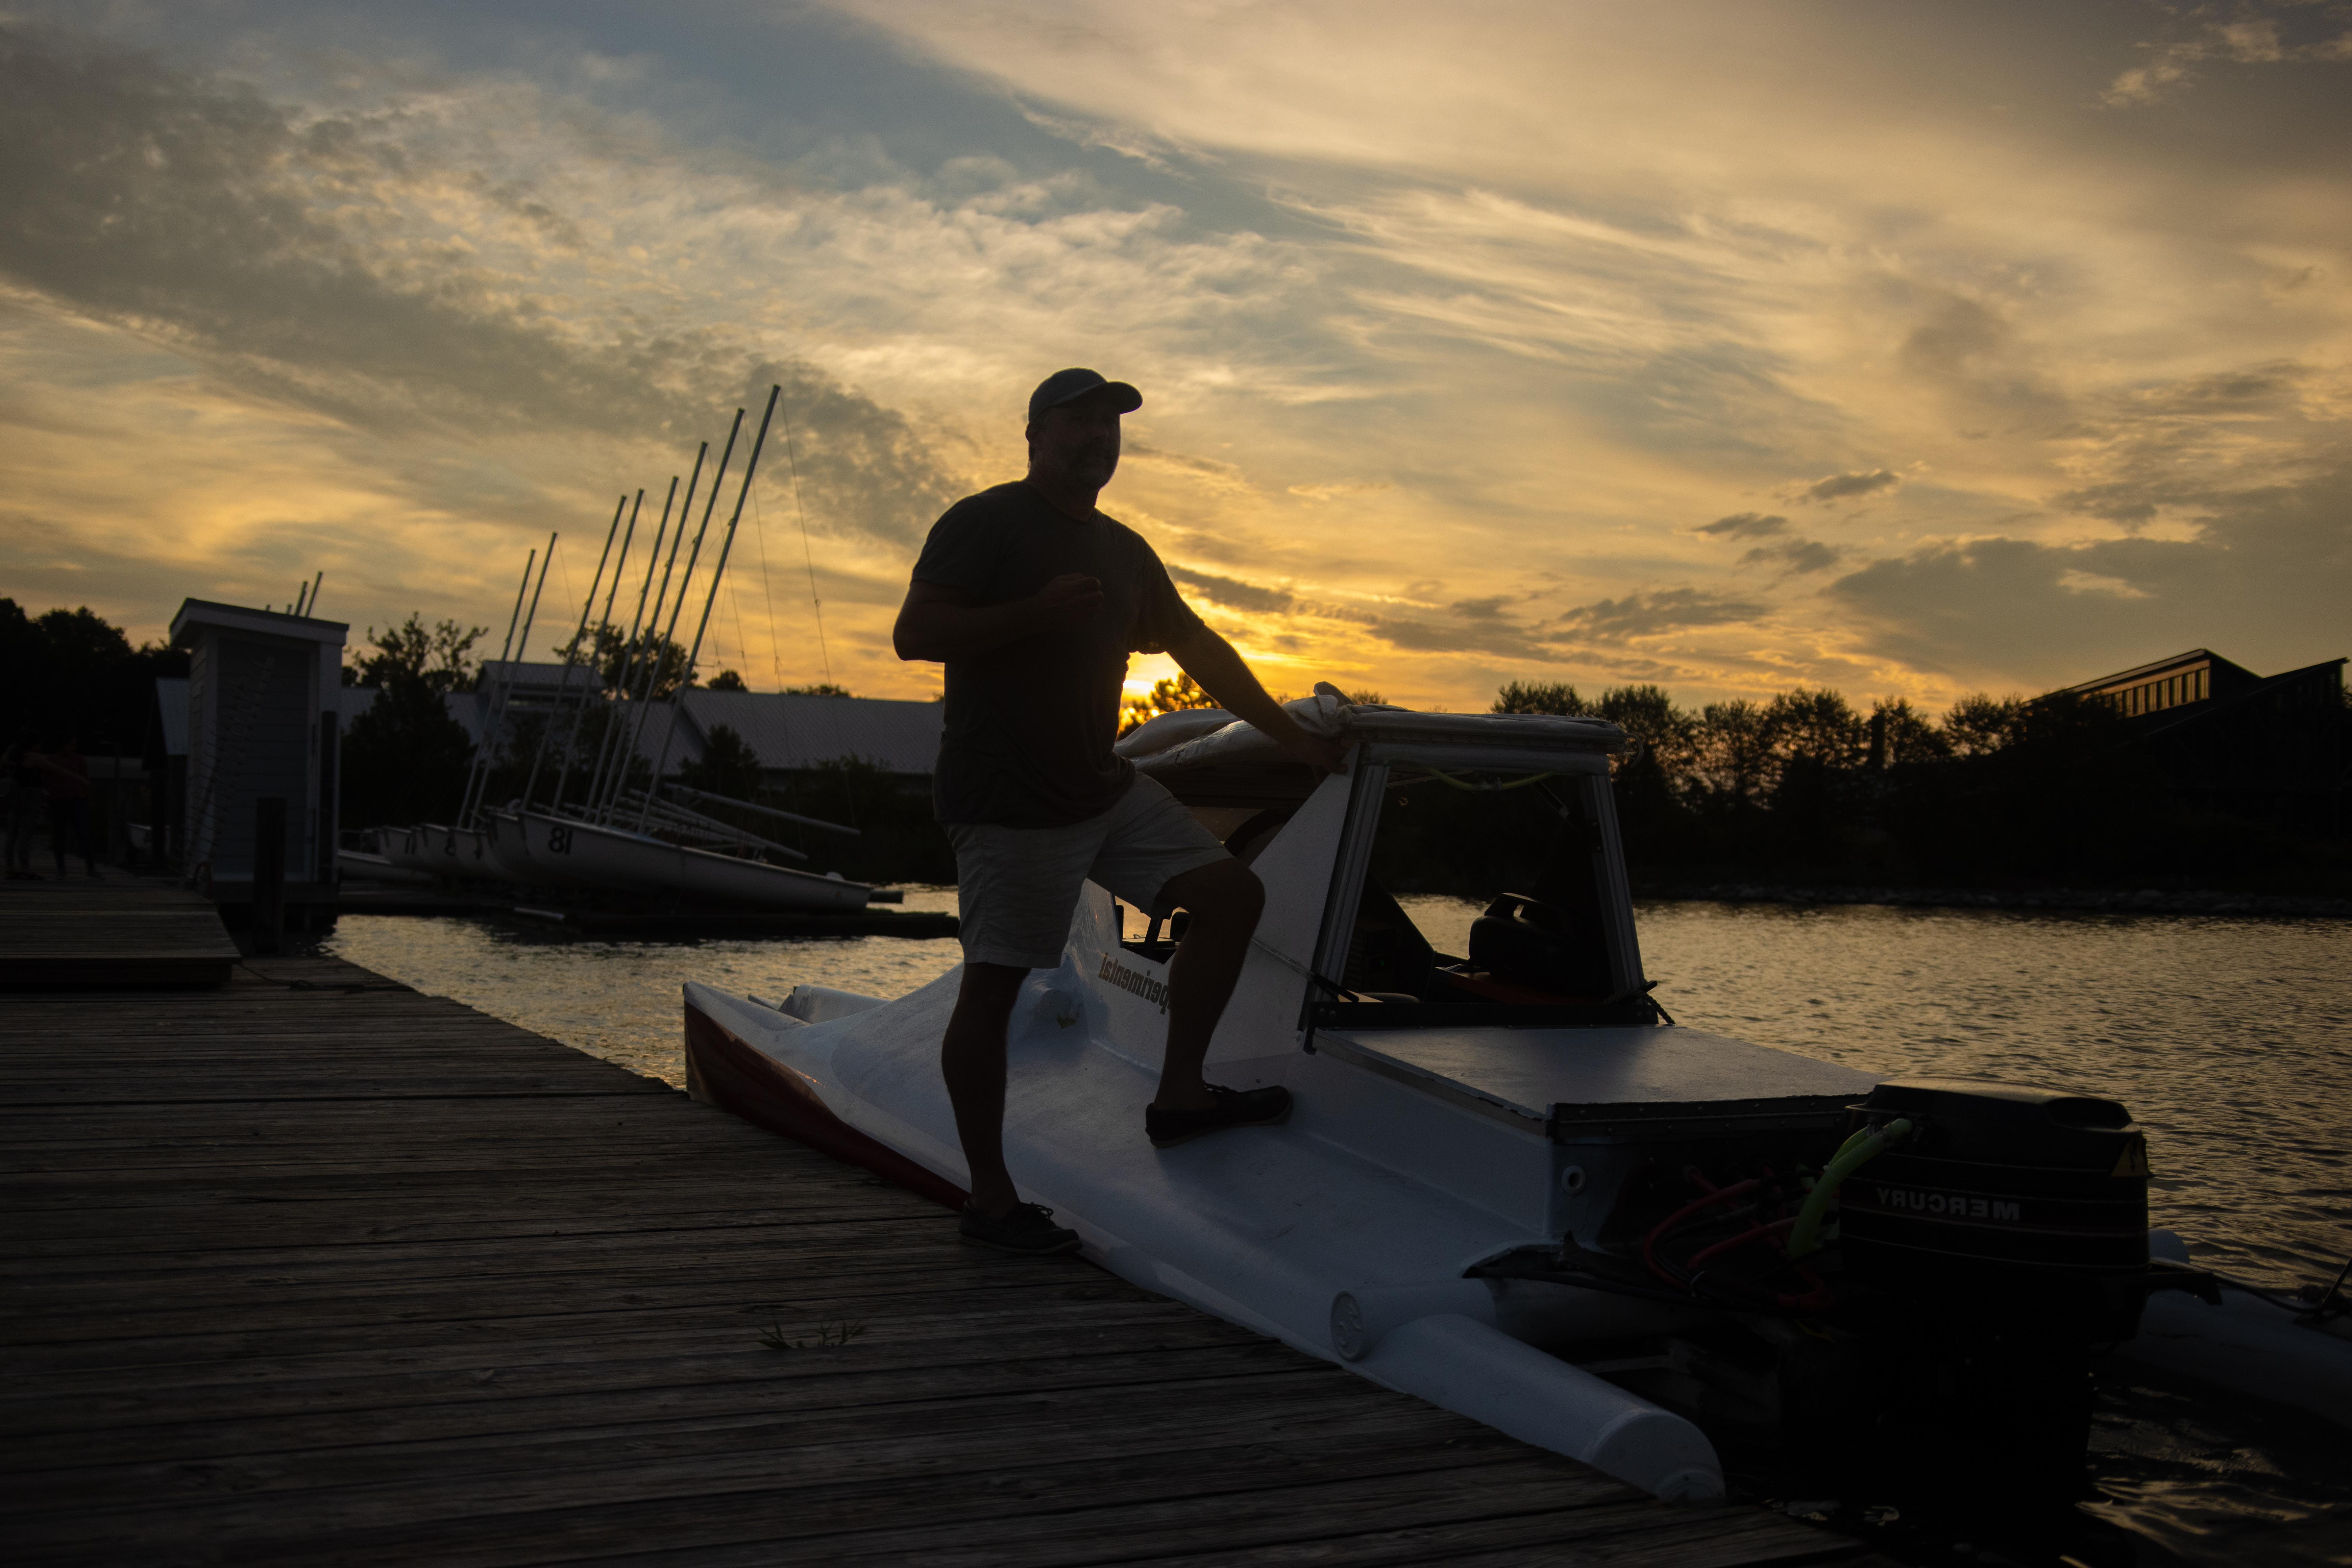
727	765
405	759
1539	696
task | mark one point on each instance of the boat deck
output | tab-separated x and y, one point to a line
313	1268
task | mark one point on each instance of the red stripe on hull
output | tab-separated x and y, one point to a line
722	1070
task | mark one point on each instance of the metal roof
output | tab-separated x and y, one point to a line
783	731
2195	658
201	613
793	732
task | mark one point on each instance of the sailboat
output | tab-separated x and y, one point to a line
623	837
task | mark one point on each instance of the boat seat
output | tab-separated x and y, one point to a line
1535	943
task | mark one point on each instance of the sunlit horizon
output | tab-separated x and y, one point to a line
1909	351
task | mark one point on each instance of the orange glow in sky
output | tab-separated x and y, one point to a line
1908	349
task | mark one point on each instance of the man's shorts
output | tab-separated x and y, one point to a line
1018	887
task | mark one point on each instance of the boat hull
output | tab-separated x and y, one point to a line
358	865
558	849
434	849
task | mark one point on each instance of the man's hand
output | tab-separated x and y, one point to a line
1211	661
940	623
1072	596
1319	751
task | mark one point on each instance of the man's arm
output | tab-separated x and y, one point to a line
939	623
1211	661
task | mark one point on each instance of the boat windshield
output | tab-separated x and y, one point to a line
1488	899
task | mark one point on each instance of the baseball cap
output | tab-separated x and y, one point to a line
1064	384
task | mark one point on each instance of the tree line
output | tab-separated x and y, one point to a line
1806	786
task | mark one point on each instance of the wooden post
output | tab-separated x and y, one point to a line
268	872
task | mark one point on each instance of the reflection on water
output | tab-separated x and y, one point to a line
2230	1039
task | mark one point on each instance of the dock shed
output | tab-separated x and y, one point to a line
264	722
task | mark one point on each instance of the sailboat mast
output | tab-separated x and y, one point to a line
621	752
571	649
496	733
718	571
663	644
479	771
625	660
596	658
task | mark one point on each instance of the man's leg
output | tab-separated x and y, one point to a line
1225	899
972	1059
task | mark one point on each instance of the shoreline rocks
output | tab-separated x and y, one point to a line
2145	901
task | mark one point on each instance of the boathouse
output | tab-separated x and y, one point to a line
789	732
2274	747
263	725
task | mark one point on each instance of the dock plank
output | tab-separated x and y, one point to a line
115	931
315	1269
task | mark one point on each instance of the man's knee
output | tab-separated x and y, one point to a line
989	989
1223	890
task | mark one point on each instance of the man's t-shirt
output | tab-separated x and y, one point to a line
1030	725
68	776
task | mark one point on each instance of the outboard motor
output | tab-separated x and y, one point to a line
1986	1254
1934	1344
2005	1205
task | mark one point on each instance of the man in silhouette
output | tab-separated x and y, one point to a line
1034	600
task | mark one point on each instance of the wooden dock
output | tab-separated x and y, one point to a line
315	1269
117	930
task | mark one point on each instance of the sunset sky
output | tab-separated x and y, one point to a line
1904	348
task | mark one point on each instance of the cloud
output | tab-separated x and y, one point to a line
2132	501
2074	579
1651	613
1495	635
2263	564
1846	487
1109	135
1795	555
280	254
1233	593
2244	40
445	273
1745	525
1334	491
1206	470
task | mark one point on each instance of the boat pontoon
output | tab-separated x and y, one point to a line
1512	1185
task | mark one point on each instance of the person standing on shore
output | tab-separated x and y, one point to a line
24	782
68	786
1034	600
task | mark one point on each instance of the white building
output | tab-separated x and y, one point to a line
263	721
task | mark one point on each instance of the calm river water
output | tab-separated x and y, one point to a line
2230	1039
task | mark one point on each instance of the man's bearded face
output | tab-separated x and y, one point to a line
1080	438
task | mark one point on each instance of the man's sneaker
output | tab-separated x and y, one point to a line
1234	1108
1027	1228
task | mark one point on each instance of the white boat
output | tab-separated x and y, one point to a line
534	846
1510	1185
436	849
360	866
